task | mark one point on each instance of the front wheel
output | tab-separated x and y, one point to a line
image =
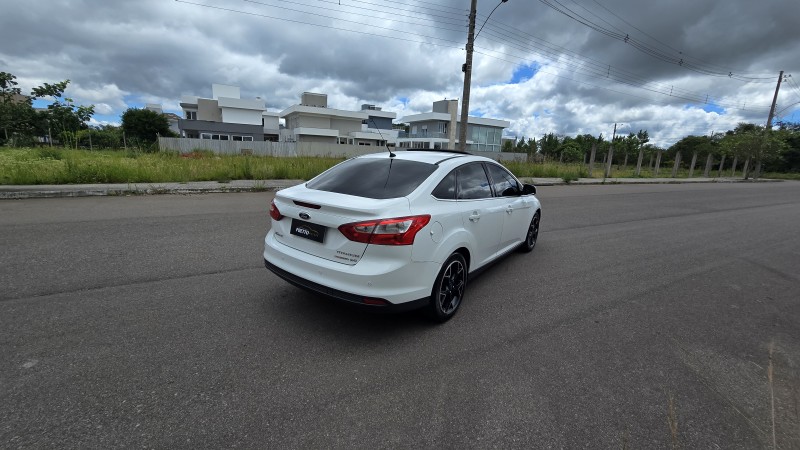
449	288
531	234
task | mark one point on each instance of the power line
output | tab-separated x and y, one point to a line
644	48
594	71
395	8
333	27
272	5
598	70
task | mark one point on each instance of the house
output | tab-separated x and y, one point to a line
226	116
439	129
313	121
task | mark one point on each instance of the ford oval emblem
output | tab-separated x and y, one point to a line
304	216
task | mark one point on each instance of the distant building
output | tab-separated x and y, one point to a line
439	129
226	116
313	121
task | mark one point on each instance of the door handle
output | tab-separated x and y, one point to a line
475	216
509	209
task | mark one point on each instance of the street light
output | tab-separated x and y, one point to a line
467	69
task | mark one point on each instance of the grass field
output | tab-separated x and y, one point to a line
60	166
30	166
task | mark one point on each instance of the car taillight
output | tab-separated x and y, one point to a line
274	212
396	231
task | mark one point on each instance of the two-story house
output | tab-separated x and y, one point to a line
439	129
313	121
226	116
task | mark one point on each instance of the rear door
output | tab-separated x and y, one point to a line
482	213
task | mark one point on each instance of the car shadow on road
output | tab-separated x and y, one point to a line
304	311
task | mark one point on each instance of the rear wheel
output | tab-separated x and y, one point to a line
532	234
449	288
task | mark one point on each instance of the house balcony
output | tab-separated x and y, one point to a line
422	135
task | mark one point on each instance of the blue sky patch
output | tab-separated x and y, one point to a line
524	73
707	107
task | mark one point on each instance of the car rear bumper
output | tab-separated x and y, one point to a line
352	299
377	275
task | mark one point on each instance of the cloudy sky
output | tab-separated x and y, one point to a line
674	68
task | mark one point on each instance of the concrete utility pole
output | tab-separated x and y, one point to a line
467	69
774	101
611	153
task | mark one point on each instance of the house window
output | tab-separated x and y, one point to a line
191	115
342	140
220	137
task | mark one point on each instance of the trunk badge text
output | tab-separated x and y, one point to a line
304	216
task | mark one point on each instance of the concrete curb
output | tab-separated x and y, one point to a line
212	187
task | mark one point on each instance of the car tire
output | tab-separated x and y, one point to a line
531	234
449	288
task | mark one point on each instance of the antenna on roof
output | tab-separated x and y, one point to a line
385	142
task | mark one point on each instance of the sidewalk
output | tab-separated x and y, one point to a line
202	187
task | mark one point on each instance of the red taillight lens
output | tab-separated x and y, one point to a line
396	231
274	212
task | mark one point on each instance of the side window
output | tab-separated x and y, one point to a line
472	182
503	183
446	190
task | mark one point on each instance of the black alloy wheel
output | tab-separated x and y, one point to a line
532	234
449	288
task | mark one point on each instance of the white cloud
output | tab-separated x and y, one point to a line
120	54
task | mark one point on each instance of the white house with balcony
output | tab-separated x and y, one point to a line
439	129
313	121
226	116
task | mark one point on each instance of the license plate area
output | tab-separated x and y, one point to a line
308	230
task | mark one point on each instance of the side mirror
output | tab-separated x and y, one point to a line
528	189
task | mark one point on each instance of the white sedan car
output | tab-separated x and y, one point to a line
394	231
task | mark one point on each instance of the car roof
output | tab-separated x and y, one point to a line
428	156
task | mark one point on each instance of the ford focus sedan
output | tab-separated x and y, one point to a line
397	231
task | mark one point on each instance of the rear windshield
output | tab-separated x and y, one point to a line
373	178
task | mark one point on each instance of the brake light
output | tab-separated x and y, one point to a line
396	231
274	212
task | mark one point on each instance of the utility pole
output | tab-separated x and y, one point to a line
611	153
467	69
774	101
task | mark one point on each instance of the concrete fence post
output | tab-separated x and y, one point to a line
677	164
709	162
691	167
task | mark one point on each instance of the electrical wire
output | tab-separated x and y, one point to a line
594	70
642	47
395	8
262	3
333	27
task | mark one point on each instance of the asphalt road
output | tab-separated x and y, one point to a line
647	316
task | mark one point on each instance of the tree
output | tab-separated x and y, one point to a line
549	145
16	111
63	118
142	127
755	143
571	152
